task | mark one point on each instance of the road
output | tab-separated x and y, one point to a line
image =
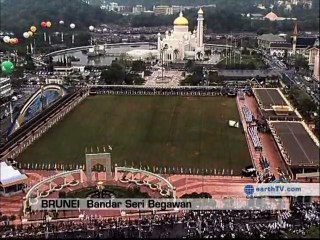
290	77
5	118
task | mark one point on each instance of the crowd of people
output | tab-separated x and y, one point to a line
253	132
173	91
252	224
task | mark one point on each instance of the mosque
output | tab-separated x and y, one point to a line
177	45
181	44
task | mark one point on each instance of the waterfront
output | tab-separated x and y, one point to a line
112	53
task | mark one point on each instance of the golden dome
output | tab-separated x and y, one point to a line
181	20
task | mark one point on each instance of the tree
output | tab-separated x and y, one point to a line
34	11
190	80
301	62
115	74
317	126
134	79
138	66
215	78
189	65
29	64
302	101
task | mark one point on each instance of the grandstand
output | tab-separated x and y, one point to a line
297	144
253	132
247	114
274	106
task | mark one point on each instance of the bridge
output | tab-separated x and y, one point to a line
91	46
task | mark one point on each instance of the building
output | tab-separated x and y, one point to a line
138	9
54	81
176	9
280	49
312	52
125	10
68	70
163	10
301	44
180	43
255	16
113	7
271	16
5	87
11	179
265	40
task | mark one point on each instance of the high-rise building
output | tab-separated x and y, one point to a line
138	9
162	10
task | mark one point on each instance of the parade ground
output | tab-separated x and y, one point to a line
161	131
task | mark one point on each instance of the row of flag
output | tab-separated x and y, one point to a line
182	170
51	166
155	169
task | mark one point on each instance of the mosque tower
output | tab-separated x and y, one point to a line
200	19
294	38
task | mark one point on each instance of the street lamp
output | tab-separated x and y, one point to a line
162	51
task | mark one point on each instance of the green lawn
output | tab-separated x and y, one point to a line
155	130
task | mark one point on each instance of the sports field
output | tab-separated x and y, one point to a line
166	131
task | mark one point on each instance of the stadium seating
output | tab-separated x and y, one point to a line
247	114
253	132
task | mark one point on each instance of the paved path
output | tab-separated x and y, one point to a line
215	185
255	155
270	149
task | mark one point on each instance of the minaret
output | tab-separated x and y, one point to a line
200	29
294	38
159	45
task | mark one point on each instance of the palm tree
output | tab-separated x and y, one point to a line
176	52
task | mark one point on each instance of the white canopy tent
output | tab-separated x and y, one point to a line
9	176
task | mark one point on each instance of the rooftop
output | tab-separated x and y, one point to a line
9	175
280	45
270	38
301	148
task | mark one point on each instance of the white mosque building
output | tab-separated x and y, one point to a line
181	44
177	45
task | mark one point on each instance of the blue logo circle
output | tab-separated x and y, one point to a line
248	189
